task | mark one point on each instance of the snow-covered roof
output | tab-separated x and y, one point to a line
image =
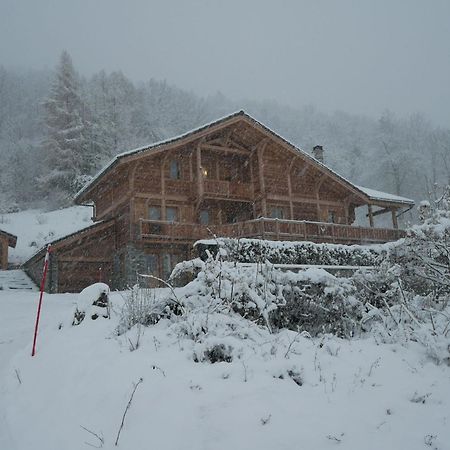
363	192
384	196
155	146
54	242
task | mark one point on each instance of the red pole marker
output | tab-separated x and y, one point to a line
44	276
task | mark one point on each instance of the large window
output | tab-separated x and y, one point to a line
175	172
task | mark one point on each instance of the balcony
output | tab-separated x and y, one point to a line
227	190
272	229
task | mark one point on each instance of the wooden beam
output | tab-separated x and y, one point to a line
222	149
379	212
370	215
291	205
252	181
191	169
200	185
394	218
171	197
163	187
295	199
262	184
316	190
83	259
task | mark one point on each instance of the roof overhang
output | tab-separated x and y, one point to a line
12	240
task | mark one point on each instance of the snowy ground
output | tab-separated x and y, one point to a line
353	394
35	228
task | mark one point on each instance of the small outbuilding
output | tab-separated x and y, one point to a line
6	240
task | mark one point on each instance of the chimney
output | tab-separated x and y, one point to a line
318	153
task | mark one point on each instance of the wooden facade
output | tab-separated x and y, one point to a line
6	240
234	177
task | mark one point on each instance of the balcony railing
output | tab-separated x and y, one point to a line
265	228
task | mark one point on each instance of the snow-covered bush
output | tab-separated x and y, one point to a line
282	252
143	307
312	300
92	302
408	298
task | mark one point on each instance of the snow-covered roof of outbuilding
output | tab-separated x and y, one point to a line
12	239
384	196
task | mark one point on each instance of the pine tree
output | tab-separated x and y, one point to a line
66	157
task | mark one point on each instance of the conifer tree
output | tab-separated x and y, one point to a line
66	157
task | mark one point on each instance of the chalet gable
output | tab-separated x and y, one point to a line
241	134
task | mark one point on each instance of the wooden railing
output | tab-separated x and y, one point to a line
265	228
227	189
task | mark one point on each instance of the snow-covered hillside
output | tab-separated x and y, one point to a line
279	391
34	228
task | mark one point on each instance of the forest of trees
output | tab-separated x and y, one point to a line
58	128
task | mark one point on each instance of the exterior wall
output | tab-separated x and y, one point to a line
111	192
153	259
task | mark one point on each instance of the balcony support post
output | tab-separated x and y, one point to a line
289	180
394	218
370	215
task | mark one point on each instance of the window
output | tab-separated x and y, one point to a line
331	217
151	264
171	214
169	261
175	172
204	217
277	212
154	212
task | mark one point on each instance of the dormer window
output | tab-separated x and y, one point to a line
175	172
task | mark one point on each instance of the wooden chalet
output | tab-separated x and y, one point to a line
234	177
6	240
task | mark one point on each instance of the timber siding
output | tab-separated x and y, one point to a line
6	240
233	177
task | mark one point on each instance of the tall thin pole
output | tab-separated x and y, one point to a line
38	315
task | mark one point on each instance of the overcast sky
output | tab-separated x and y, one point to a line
358	56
